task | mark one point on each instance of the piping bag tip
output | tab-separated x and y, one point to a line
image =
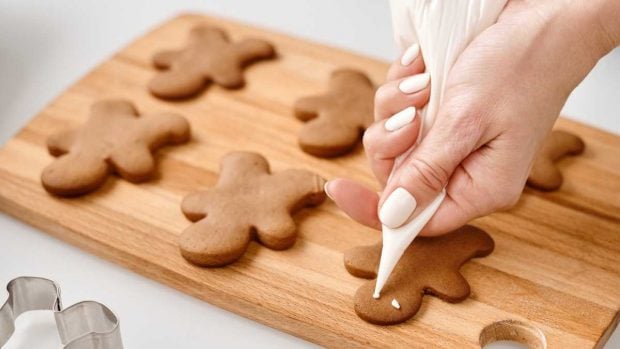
396	241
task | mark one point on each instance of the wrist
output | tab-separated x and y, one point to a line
576	36
599	21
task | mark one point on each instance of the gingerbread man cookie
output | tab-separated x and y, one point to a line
209	56
114	139
430	265
545	175
247	202
336	120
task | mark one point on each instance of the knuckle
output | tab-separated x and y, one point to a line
368	140
431	176
381	96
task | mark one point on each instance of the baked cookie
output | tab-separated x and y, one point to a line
208	56
430	265
545	175
336	120
114	139
247	202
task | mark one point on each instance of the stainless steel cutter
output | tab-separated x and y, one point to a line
84	325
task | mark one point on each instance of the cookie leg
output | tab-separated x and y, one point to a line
164	59
450	287
208	244
72	175
193	205
133	163
229	78
176	84
164	128
276	231
363	261
307	108
322	137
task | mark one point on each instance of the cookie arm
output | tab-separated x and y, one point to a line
114	107
299	188
343	79
250	50
164	59
60	143
133	162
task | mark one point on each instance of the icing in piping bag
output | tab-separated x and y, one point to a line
443	29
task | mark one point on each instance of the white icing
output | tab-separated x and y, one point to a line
376	295
442	28
395	304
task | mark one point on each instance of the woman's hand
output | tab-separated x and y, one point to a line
501	99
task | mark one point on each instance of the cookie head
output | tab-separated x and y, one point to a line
209	56
115	139
430	265
248	202
335	120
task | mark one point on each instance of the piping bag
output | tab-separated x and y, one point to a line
443	29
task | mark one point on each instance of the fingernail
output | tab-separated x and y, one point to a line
397	208
326	190
410	55
400	119
414	83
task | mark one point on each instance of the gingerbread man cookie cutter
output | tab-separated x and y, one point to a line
84	325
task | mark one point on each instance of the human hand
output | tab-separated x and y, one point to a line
501	99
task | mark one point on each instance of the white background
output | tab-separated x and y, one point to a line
45	46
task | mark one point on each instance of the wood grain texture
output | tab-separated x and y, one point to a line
556	266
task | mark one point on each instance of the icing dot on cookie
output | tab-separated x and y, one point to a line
395	303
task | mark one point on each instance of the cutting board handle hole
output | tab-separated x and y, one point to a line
513	334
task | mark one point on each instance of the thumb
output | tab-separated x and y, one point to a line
424	173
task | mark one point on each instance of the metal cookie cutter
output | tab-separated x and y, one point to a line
84	325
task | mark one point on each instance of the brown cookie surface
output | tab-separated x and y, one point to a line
114	139
429	266
208	57
247	202
545	175
335	120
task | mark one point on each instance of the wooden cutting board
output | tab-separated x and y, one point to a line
555	269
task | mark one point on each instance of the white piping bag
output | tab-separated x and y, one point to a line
443	29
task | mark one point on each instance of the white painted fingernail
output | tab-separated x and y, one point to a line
414	83
397	208
400	119
410	55
326	190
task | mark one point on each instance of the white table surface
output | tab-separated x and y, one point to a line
45	46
